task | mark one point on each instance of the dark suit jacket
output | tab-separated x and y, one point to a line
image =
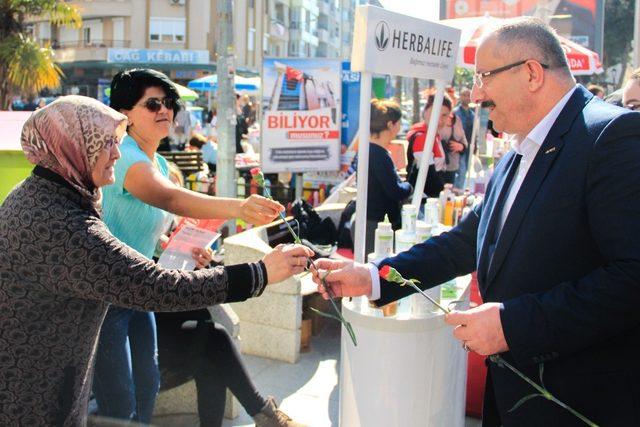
566	267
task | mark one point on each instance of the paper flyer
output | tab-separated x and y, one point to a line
190	233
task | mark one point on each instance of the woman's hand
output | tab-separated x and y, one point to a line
286	260
456	147
258	210
202	256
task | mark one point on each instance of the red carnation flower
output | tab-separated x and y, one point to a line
255	171
384	272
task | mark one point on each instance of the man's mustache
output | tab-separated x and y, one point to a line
488	104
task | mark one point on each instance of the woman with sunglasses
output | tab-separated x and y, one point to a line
136	209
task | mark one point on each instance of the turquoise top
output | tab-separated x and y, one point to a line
134	222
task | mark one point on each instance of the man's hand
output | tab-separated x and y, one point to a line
480	329
343	278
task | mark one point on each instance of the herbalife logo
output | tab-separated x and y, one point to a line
382	35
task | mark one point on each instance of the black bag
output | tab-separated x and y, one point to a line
344	228
312	227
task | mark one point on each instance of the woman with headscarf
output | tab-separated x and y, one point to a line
60	267
127	374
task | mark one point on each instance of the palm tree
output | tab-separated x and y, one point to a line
25	66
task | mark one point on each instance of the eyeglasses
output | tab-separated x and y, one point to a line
155	104
478	77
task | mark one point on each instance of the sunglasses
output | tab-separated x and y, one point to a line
155	104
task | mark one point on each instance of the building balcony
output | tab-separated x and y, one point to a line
84	44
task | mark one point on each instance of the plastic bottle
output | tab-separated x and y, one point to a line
432	211
404	241
383	244
423	231
409	216
448	211
444	196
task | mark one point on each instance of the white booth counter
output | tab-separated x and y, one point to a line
405	371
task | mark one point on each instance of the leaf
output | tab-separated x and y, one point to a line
329	315
346	324
523	400
541	372
414	281
497	360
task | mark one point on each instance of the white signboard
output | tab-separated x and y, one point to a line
390	43
302	119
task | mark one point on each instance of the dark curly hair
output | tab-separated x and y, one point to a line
128	87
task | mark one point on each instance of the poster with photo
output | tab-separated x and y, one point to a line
301	120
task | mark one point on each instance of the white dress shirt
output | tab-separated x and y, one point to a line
528	148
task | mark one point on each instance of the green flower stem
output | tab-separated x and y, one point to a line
498	360
542	390
410	283
296	239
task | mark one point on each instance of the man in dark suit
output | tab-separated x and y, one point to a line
556	242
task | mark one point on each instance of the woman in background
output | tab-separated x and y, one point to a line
417	137
127	377
386	190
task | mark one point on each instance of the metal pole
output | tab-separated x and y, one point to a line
226	171
363	166
428	147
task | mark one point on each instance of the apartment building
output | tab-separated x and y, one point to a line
178	37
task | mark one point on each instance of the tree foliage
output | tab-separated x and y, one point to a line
25	66
618	32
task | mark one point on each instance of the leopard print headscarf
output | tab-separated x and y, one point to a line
68	135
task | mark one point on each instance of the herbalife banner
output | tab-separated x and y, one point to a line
301	120
401	45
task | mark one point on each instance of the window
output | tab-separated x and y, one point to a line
293	48
168	30
307	22
92	32
118	30
280	12
44	31
265	43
